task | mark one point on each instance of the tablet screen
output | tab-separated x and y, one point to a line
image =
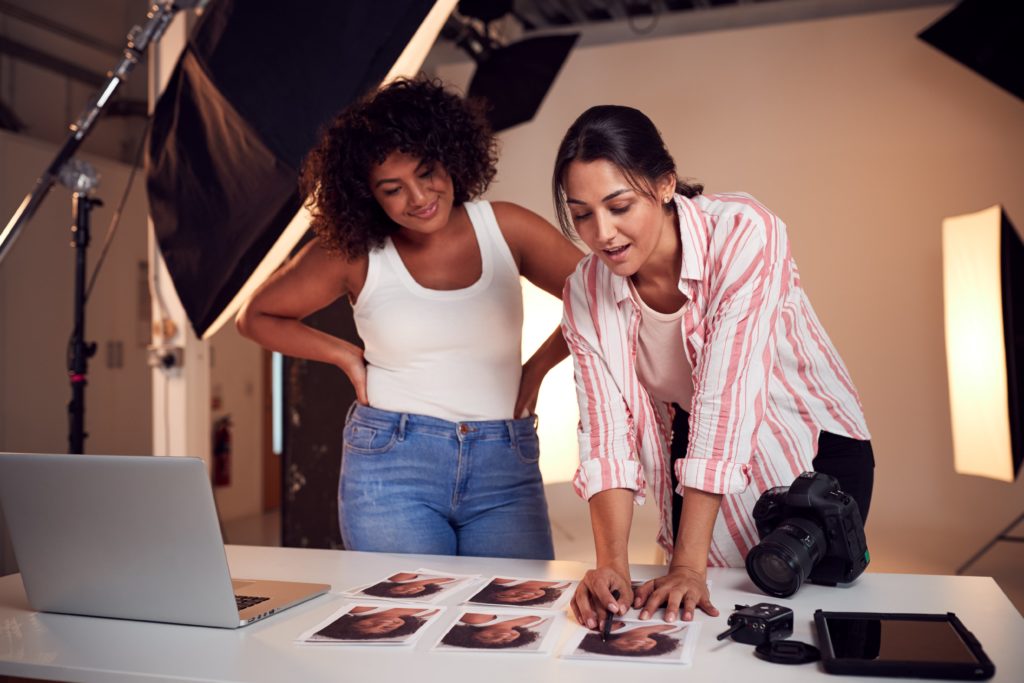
897	640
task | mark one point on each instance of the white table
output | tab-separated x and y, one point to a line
71	648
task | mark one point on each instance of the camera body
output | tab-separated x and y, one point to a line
809	530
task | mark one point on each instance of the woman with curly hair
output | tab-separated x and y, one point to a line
441	452
406	585
521	593
491	632
374	623
636	640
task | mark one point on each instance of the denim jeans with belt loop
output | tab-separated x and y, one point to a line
418	484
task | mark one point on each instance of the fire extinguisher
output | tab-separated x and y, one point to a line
222	451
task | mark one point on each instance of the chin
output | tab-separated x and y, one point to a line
621	269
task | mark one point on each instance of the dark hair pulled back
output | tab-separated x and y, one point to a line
623	136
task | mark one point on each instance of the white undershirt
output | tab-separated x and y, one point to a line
661	362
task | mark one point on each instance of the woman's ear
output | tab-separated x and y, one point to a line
666	188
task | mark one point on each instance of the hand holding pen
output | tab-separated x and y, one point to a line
603	592
607	630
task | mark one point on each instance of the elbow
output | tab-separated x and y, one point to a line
244	321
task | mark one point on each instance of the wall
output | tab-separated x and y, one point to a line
863	138
36	288
236	389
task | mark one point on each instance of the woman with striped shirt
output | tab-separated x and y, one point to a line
702	372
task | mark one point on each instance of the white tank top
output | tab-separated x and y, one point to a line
452	354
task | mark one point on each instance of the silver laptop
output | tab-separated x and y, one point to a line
132	537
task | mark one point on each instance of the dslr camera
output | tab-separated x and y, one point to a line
810	530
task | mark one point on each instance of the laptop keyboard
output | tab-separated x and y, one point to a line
245	601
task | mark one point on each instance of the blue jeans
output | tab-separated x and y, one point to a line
418	484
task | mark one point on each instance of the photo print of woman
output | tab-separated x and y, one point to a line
506	631
420	586
365	624
516	592
633	640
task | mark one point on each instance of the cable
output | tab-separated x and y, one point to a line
115	220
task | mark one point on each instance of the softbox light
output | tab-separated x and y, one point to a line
245	103
983	287
984	35
515	79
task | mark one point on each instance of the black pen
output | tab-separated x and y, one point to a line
607	630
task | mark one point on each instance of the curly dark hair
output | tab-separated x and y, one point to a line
344	628
464	635
489	594
418	117
592	643
384	590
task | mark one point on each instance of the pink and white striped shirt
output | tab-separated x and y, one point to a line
767	379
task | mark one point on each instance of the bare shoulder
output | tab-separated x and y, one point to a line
544	255
514	219
307	282
332	269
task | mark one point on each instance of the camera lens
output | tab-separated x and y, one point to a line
783	560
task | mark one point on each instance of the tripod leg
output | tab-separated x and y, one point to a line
1001	536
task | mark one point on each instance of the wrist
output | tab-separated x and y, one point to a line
618	565
687	570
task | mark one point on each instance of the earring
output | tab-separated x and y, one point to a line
668	199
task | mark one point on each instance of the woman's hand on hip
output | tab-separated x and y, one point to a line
529	389
353	364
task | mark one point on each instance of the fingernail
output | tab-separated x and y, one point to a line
687	616
644	614
591	623
671	616
613	608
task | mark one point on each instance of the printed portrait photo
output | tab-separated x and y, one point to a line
369	624
494	630
637	640
535	593
419	585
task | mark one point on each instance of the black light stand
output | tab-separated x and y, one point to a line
82	179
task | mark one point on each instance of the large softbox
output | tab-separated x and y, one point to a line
244	105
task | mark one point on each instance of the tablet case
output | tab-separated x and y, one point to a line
982	669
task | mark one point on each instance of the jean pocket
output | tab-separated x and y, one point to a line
368	439
528	448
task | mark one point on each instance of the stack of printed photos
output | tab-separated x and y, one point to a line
502	614
510	614
507	614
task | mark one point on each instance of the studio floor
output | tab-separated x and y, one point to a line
573	542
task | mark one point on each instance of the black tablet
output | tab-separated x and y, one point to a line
916	645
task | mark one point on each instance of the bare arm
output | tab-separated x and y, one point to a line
685	585
310	281
611	514
545	258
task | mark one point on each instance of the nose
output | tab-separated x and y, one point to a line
605	231
418	192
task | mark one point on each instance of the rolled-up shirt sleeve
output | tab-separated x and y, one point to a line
607	440
732	373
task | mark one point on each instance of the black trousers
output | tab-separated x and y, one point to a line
850	461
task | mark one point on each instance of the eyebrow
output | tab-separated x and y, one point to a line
396	180
608	197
